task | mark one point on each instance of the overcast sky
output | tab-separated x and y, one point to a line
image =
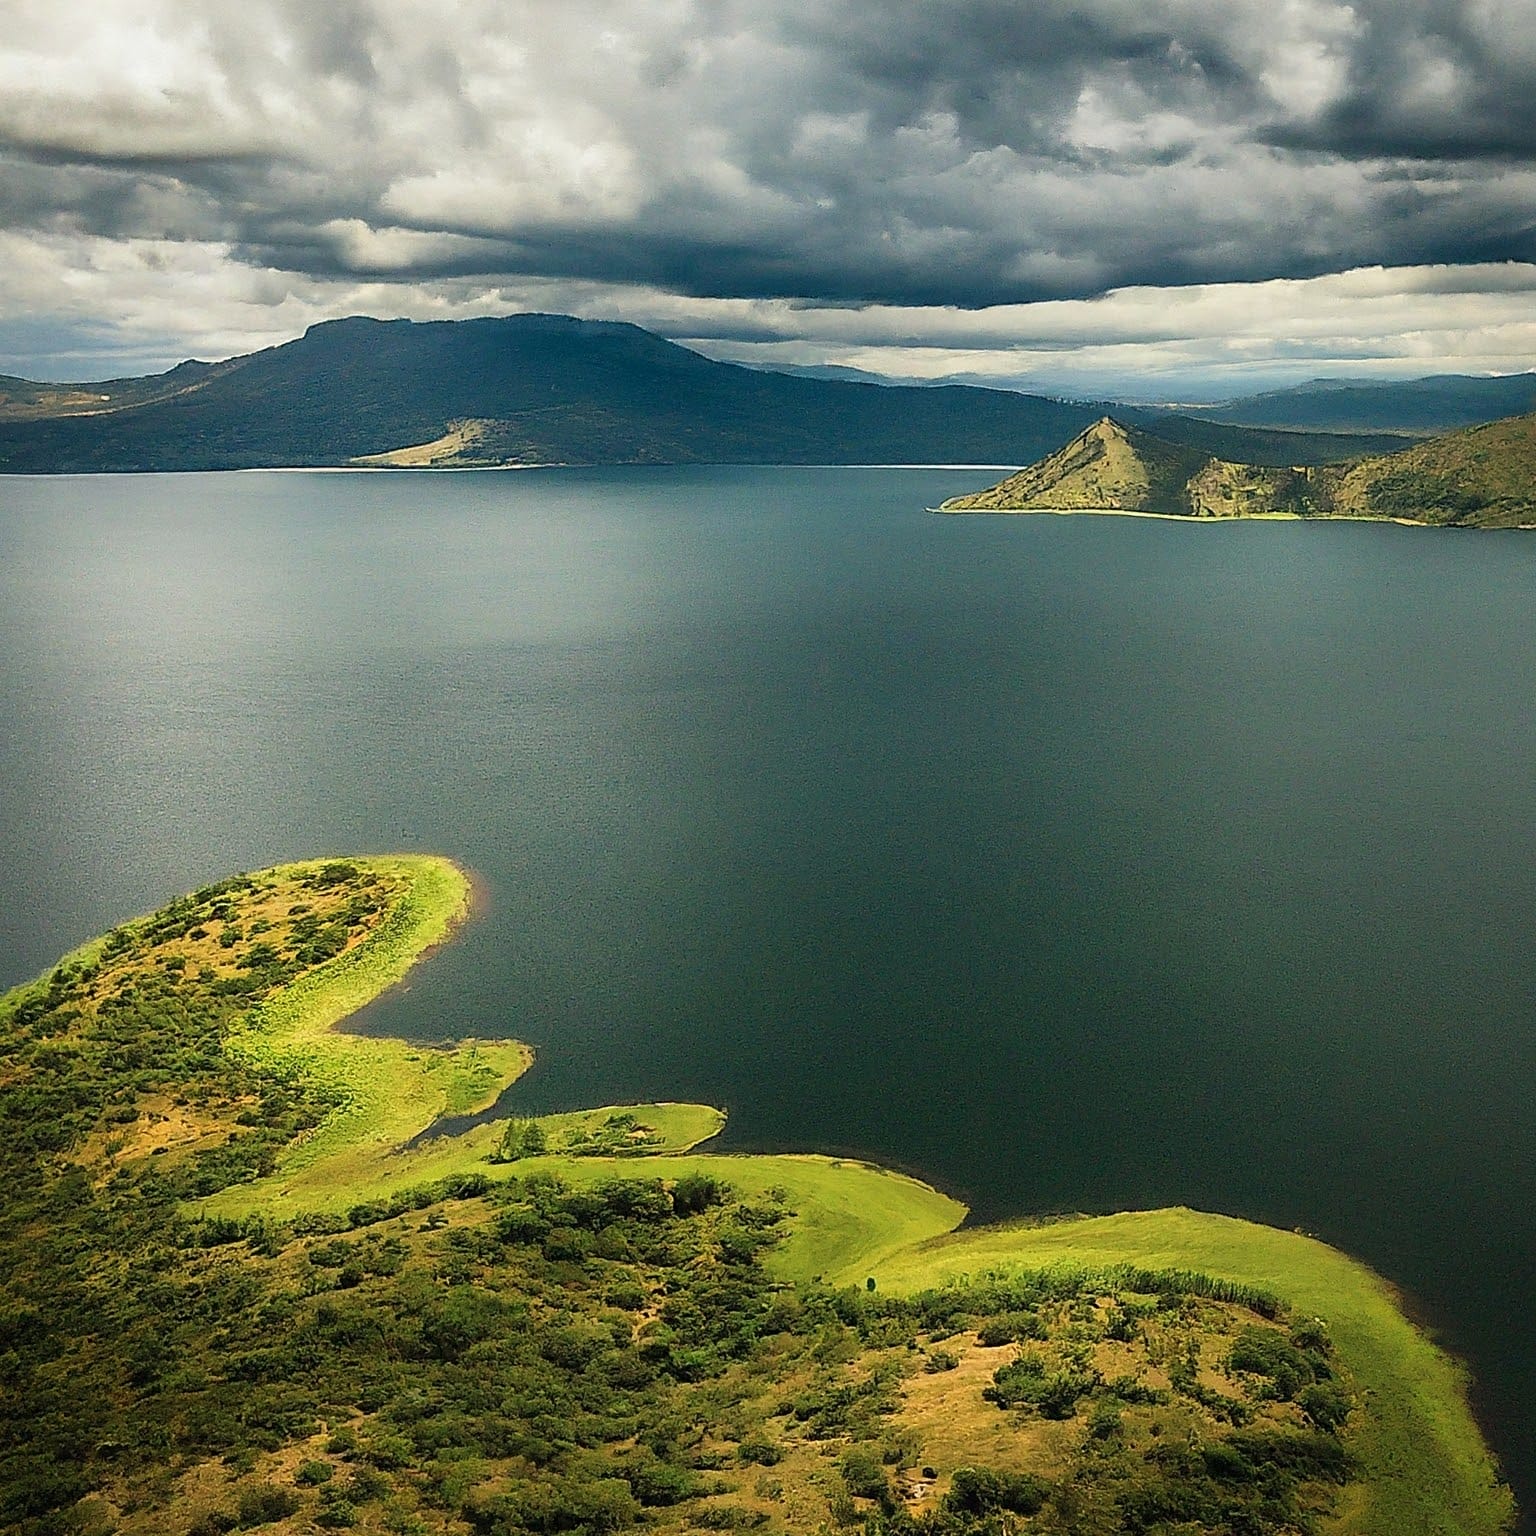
1172	198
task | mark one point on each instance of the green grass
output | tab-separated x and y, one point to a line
385	1091
1426	1468
850	1217
370	1170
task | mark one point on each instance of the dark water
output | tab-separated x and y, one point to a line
1074	863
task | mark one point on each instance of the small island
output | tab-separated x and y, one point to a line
1484	477
247	1287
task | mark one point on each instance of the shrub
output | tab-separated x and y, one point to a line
864	1473
215	1523
981	1491
1010	1328
1025	1382
696	1192
657	1482
264	1503
1268	1353
1326	1406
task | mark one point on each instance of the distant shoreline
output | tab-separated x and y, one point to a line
466	469
1184	517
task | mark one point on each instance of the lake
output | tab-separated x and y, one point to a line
1073	863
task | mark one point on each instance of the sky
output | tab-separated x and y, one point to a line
1159	199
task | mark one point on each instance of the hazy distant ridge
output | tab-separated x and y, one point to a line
1436	404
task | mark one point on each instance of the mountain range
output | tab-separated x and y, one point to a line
1419	406
1483	476
526	390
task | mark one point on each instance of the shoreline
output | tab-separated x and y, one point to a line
1187	517
475	906
1246	517
1425	1461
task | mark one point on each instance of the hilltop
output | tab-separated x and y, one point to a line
527	390
1482	477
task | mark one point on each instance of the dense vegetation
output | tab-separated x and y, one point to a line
514	1353
1483	477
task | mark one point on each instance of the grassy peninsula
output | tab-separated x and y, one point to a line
1483	477
235	1297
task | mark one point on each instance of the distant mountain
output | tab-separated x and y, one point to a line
1435	404
525	389
531	390
23	400
1483	477
847	375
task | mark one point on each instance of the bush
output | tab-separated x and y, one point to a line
1268	1353
656	1482
264	1503
596	1505
696	1192
215	1523
1326	1406
864	1473
981	1491
336	1514
1025	1383
1010	1328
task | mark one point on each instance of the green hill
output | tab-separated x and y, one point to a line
1116	468
1483	477
1105	466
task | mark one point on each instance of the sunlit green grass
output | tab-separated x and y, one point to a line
1425	1466
372	1170
385	1091
850	1217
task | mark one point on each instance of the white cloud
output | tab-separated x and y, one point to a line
430	154
171	300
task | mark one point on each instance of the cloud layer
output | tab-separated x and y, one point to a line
933	154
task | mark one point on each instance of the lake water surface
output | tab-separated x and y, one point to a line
1072	863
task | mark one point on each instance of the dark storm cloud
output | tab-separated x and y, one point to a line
1431	80
972	152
